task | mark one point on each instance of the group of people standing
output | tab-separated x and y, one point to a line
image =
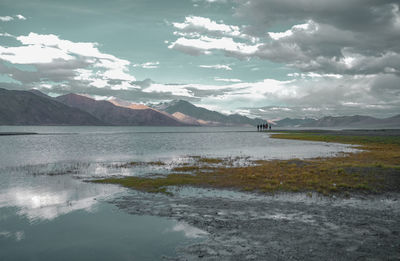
262	127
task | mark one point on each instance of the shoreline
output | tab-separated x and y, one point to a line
374	170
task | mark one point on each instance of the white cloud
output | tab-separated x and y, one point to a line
315	75
148	65
17	236
298	27
226	80
86	62
32	54
178	90
217	66
10	18
20	17
7	35
206	44
6	18
205	25
325	38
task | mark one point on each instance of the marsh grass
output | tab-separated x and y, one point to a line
140	163
376	169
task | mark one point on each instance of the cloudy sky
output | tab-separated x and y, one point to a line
266	58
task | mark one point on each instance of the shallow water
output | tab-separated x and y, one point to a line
48	212
100	144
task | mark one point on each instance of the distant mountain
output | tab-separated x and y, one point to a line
207	116
187	119
135	106
35	108
288	122
126	104
356	121
117	115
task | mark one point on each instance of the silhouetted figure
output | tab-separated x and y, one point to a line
270	127
258	127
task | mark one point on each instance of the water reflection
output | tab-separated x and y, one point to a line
17	236
189	231
60	217
47	197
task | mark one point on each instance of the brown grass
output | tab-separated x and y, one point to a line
374	170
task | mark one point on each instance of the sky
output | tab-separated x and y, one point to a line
261	58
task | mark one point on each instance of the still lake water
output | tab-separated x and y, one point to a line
48	212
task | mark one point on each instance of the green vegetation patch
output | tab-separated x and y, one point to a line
376	169
347	139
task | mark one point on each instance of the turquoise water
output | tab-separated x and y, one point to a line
49	212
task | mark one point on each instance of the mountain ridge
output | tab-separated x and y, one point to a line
29	108
355	121
117	115
33	107
206	115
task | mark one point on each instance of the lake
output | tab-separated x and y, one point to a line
49	212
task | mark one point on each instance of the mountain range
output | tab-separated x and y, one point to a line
117	115
205	116
356	121
36	108
29	108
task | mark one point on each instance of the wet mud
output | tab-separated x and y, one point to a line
244	226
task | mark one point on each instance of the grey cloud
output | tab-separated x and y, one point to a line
57	71
352	15
25	77
370	28
367	31
387	88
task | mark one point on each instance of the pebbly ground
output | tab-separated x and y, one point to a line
243	226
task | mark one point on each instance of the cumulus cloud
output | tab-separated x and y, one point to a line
195	25
325	36
344	62
63	61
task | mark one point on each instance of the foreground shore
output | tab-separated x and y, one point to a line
341	208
